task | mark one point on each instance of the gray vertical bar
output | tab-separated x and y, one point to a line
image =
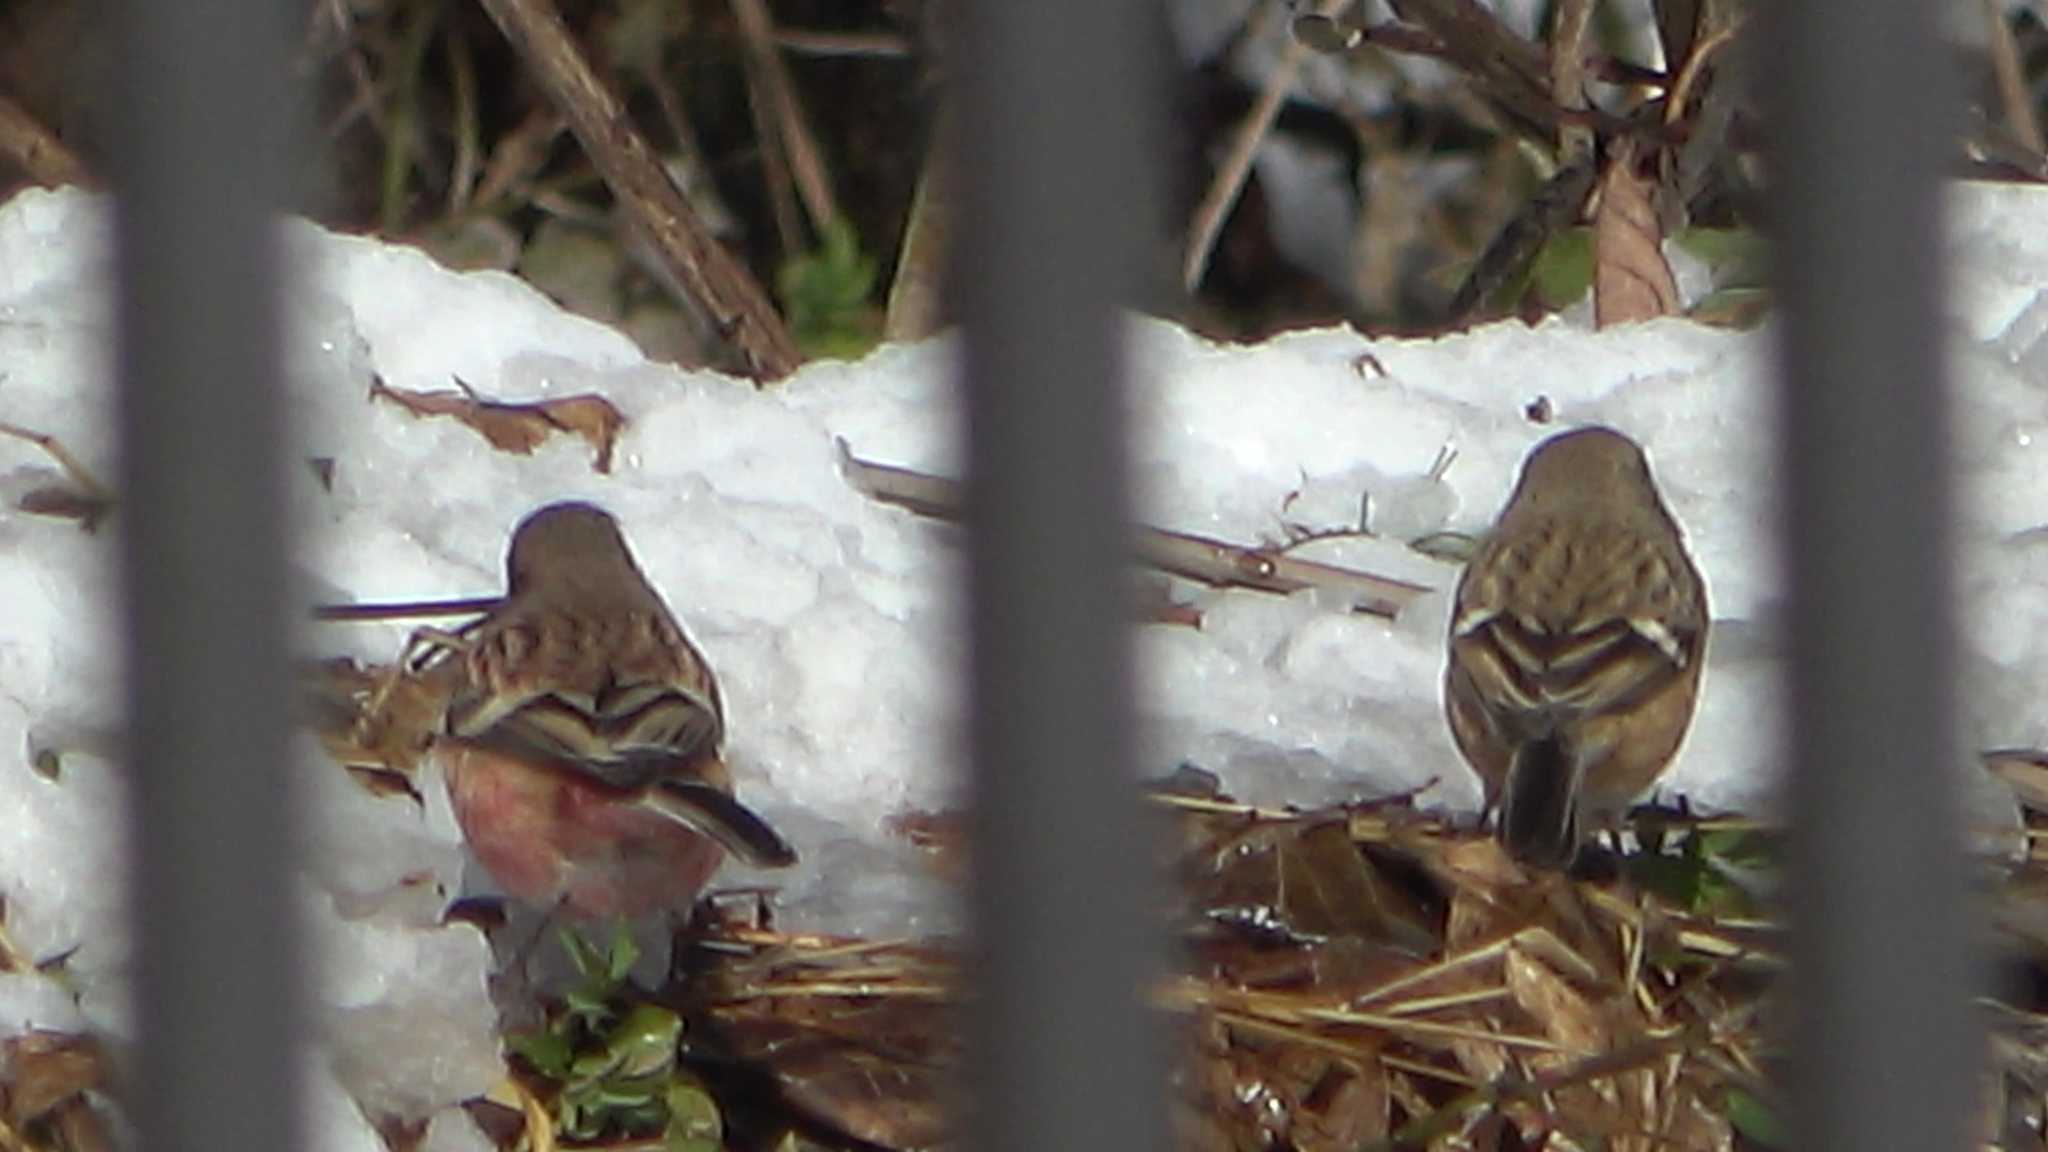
201	134
1056	109
1860	107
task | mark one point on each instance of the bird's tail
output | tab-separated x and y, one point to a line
1539	813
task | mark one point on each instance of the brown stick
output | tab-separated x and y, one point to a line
1201	558
1568	74
415	610
709	273
2012	81
874	44
757	30
1244	145
35	150
916	306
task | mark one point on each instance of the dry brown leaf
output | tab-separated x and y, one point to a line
1696	1124
1248	1089
518	428
1347	1107
1308	879
592	417
1631	281
1564	1013
47	1070
1627	1105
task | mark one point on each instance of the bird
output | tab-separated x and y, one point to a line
1577	640
582	744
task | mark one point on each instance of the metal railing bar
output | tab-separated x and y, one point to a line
201	136
1882	1048
1057	100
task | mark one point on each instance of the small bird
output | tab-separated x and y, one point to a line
1576	644
583	738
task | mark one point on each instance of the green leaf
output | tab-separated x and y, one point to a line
694	1122
623	955
1754	1119
826	294
549	1053
1739	257
1563	271
583	955
645	1042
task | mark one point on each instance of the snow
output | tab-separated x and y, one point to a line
832	620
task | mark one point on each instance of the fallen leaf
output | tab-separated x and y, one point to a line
1631	281
518	428
47	1069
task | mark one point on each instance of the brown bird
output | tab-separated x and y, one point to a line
1576	644
583	742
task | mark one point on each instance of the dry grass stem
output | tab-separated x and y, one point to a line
689	252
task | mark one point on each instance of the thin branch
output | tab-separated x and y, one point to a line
1695	65
1568	74
876	45
87	500
775	169
757	29
916	306
707	272
34	149
1514	248
1199	558
411	610
518	157
2012	81
1510	76
1244	144
463	172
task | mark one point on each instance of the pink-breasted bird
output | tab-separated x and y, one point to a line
583	741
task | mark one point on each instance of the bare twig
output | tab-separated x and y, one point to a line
1210	561
812	182
689	252
1695	64
519	154
1678	24
412	610
86	501
2020	117
34	149
775	169
1568	74
916	303
1244	144
1486	47
462	174
1521	239
884	45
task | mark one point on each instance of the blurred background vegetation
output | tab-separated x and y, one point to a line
1404	166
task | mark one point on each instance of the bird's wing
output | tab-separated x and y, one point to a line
627	736
715	813
1552	630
